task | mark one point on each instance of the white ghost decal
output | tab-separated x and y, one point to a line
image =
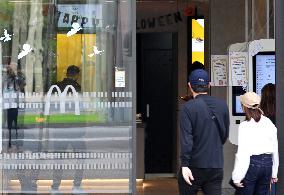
26	49
75	28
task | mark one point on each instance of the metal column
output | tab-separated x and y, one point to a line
279	27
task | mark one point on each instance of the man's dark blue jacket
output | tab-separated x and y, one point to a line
200	139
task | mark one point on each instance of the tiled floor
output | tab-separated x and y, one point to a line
158	187
166	186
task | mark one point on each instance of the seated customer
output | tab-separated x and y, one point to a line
72	76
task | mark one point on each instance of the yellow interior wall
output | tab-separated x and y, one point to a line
88	70
69	52
74	50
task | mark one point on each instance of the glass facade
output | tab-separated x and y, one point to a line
68	96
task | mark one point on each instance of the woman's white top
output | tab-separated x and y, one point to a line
255	138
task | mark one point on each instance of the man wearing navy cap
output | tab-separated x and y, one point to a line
204	126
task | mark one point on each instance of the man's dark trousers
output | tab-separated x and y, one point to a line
209	180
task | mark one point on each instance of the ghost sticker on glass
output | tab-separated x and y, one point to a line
96	51
107	27
26	49
7	37
75	28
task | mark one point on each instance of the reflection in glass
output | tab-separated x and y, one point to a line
66	115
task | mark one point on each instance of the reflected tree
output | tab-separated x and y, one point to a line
20	20
34	59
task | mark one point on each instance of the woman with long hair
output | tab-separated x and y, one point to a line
268	106
257	159
268	101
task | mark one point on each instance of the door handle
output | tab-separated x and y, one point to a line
147	110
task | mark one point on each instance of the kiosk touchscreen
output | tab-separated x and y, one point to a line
236	103
263	70
259	60
236	51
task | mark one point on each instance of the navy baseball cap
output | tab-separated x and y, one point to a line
199	77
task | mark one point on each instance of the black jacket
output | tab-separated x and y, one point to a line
66	81
200	139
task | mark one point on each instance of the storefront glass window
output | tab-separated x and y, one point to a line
67	96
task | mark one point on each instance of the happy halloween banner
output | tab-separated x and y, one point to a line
88	16
166	19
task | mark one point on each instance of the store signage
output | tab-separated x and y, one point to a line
159	21
62	98
88	16
165	20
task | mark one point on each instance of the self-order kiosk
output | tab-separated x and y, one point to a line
251	66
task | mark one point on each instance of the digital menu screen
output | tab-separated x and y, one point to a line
264	70
263	73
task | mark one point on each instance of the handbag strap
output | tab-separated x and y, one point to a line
214	118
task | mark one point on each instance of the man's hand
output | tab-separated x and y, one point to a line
274	180
187	175
239	185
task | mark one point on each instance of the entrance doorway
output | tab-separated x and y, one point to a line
156	98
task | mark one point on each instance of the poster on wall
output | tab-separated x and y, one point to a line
237	62
87	15
119	78
219	70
